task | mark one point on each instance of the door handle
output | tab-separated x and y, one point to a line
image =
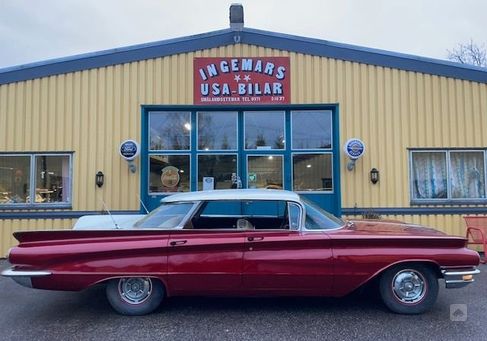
177	242
253	239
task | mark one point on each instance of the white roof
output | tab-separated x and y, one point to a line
234	194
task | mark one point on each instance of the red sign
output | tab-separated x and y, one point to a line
243	80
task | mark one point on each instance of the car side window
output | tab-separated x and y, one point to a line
294	212
242	214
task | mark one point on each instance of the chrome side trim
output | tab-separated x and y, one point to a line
16	273
460	273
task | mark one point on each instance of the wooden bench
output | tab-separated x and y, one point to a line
477	232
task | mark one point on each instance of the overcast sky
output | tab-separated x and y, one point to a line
35	30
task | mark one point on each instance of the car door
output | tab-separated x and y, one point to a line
288	260
206	256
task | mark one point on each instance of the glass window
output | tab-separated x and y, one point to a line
14	179
245	208
217	171
265	171
294	216
311	129
224	208
169	130
264	130
169	173
448	175
319	219
467	174
167	215
51	179
217	130
429	175
267	208
312	172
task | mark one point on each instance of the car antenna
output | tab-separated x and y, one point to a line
142	203
110	214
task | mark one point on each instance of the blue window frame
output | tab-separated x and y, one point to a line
325	191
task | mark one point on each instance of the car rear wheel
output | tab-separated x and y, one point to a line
409	289
135	295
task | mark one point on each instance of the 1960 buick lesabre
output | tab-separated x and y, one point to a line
245	243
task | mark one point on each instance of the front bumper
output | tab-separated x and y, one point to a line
23	277
458	278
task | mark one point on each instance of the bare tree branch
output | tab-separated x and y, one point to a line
469	53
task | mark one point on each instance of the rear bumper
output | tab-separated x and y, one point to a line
22	277
458	278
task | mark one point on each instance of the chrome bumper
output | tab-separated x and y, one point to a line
457	278
24	277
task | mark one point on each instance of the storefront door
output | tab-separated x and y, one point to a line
199	149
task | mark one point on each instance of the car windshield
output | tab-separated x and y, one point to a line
168	215
319	219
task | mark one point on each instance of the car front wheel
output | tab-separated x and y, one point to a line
135	295
409	289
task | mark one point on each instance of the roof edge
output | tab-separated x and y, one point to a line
281	41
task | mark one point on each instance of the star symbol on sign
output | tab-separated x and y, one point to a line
247	78
237	78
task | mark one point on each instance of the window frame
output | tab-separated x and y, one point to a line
162	153
32	182
291	143
168	150
212	154
198	210
449	199
282	156
311	191
197	134
244	124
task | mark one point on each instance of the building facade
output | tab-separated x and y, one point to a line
245	108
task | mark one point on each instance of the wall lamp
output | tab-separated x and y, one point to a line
374	175
100	178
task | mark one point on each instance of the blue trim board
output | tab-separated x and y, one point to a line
310	46
345	211
452	210
57	214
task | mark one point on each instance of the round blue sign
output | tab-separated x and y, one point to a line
354	148
129	149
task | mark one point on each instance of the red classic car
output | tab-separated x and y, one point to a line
244	242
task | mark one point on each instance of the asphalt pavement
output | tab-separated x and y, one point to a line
27	314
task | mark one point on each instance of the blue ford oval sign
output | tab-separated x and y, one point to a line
354	148
129	149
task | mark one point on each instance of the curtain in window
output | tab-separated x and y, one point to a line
467	175
429	175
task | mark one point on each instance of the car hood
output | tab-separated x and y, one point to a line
389	227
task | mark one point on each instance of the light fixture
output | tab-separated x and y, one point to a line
308	166
100	178
187	126
374	175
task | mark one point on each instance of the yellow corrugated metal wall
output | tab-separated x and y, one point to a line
91	112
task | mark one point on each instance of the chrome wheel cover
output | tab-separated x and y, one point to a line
409	286
135	290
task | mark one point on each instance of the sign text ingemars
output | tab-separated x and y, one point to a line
247	80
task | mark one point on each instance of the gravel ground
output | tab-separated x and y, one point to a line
27	314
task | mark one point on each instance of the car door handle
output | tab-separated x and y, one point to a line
177	242
253	239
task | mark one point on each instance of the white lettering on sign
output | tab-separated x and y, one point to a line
259	79
245	64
